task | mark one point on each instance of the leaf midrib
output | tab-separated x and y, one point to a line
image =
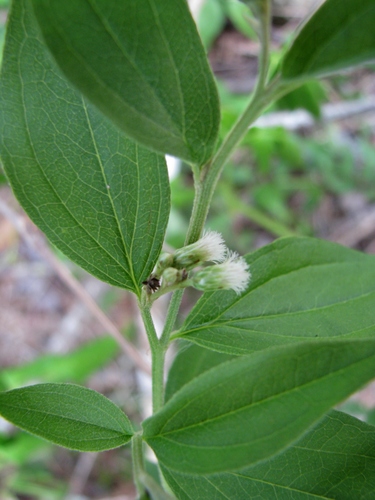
233	322
91	264
245	295
77	400
115	94
127	253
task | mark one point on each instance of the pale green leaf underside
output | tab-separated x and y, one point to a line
301	288
142	64
99	197
67	415
339	35
334	460
250	408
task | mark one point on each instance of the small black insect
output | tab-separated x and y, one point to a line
152	284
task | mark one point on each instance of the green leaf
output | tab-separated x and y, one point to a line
335	460
211	21
241	17
308	96
99	197
67	415
339	35
301	288
250	408
143	65
191	361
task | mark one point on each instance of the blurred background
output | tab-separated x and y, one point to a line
307	167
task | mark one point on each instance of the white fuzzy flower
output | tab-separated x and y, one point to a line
209	248
232	274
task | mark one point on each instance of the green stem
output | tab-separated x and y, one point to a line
174	307
206	180
138	463
210	174
157	371
264	37
157	359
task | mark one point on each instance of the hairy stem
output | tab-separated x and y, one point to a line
157	358
206	179
138	463
174	307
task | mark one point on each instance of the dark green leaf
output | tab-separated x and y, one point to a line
301	288
191	361
100	198
67	415
339	35
143	65
250	408
335	460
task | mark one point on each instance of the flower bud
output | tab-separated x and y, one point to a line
172	276
165	260
210	248
232	274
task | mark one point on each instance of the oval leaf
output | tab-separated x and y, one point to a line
143	65
334	460
339	35
99	197
301	288
67	415
250	408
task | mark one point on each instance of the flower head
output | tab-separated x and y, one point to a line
232	274
209	248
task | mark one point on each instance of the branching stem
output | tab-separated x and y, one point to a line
205	183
